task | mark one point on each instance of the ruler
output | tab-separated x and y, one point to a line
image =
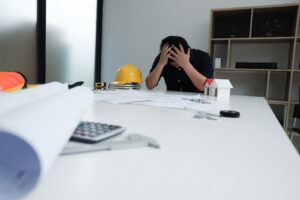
133	140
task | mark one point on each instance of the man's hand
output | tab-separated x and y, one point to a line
164	55
180	58
153	78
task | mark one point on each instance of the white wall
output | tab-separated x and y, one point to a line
133	29
17	37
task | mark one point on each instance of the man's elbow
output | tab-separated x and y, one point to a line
148	83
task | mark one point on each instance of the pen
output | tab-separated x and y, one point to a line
198	100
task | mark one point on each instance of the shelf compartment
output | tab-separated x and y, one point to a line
242	82
280	112
290	117
279	86
295	87
286	17
231	23
297	56
275	52
298	34
220	50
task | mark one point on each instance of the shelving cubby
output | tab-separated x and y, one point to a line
259	34
245	80
220	49
295	87
285	15
280	112
231	23
262	52
276	90
297	56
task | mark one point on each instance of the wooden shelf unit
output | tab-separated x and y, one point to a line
277	102
256	39
294	102
259	70
245	26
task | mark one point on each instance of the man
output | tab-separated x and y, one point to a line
183	68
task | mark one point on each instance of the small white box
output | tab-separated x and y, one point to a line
217	62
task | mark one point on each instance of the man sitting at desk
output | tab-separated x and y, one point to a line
183	68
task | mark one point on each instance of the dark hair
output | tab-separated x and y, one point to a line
175	40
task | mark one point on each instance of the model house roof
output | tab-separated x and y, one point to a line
209	81
221	83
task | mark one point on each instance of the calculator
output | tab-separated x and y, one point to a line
92	132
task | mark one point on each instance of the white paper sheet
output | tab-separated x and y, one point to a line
14	100
155	99
32	136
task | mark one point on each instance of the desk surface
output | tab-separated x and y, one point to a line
246	158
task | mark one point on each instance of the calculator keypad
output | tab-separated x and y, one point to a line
94	132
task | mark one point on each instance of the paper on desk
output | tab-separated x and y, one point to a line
32	137
15	100
154	99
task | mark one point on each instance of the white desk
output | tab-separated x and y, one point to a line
233	159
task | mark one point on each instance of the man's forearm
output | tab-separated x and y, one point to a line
153	78
196	77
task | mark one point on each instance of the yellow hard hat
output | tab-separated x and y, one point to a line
128	74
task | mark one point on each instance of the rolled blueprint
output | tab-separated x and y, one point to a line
15	100
32	136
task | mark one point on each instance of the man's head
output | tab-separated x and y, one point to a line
175	40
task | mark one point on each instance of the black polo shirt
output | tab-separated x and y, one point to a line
177	80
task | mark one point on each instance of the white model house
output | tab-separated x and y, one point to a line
207	84
217	87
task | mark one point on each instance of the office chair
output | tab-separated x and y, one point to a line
296	120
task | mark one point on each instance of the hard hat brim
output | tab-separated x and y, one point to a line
122	83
